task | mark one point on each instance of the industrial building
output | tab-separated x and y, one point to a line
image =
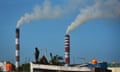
44	66
2	66
114	69
54	68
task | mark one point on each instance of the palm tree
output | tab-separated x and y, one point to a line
56	60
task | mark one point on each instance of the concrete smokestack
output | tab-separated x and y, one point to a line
67	50
17	49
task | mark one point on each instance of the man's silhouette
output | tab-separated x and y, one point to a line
36	54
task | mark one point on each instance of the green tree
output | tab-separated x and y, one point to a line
25	67
56	60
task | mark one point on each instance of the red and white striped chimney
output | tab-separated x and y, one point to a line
67	50
17	49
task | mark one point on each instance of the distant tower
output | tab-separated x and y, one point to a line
17	49
67	50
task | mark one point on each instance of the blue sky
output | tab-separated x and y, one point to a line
98	38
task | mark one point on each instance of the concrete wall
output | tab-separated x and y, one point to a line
54	68
114	69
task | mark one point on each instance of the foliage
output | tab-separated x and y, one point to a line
56	60
25	67
43	60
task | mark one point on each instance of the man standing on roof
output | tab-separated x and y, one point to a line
36	54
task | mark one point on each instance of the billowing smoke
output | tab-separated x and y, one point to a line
44	12
48	11
107	9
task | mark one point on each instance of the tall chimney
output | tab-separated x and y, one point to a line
67	50
17	49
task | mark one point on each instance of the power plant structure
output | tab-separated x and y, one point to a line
17	49
67	50
66	67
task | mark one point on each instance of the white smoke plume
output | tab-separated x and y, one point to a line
44	12
48	11
107	9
